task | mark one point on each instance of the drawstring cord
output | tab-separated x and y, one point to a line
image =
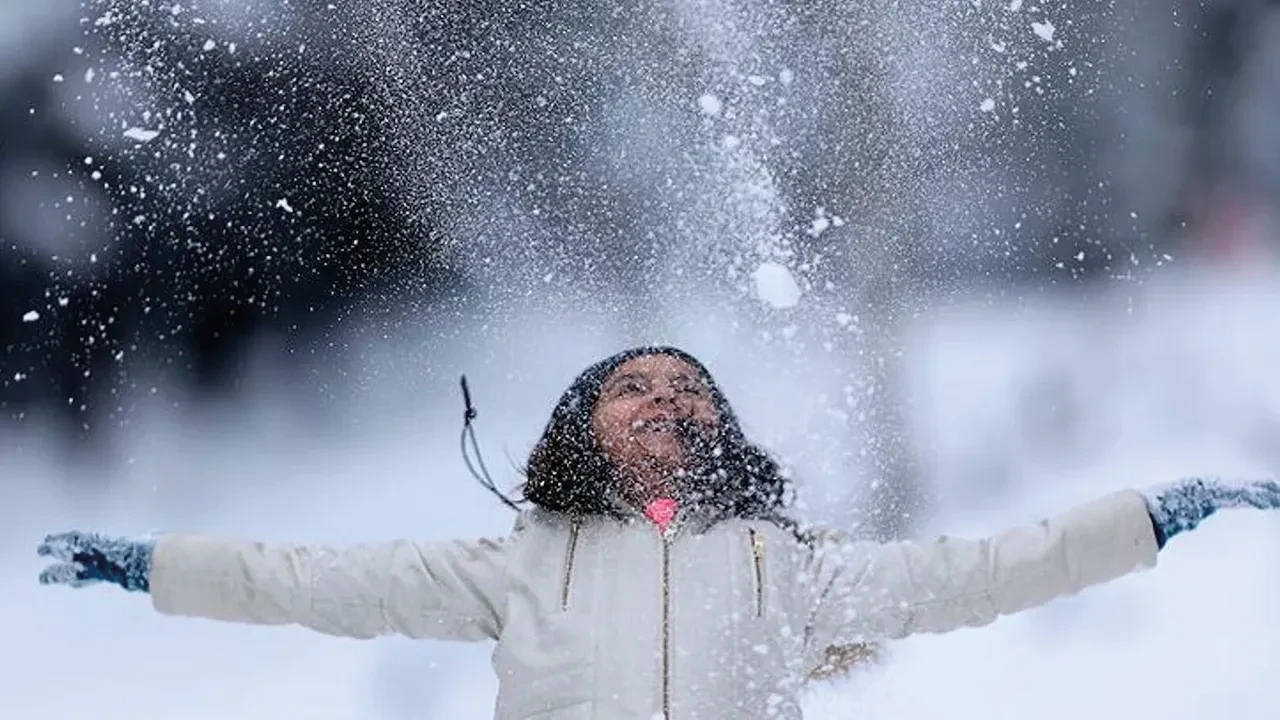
469	434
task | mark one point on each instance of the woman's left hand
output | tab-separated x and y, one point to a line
1182	505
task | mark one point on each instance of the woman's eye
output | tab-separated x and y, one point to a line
689	387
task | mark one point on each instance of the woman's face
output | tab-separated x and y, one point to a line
647	407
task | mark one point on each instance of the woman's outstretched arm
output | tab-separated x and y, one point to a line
446	590
867	591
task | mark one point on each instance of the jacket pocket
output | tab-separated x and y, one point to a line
756	540
570	554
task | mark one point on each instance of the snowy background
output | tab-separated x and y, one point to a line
956	273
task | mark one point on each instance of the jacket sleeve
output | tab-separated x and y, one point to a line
447	590
867	591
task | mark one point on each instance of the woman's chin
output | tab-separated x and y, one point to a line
659	478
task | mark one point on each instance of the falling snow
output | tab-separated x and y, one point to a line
324	181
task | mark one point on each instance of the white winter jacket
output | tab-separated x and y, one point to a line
610	620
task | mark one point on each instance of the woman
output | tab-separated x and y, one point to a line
657	573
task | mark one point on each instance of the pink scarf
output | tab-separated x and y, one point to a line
662	511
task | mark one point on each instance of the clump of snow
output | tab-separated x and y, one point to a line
1043	30
710	104
822	222
141	134
31	316
776	285
987	105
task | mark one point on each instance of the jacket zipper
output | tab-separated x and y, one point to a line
570	552
757	561
666	628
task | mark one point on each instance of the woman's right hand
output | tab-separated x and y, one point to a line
1181	506
89	558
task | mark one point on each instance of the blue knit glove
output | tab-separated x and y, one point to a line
88	558
1182	505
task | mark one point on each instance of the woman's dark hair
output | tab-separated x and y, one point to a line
567	471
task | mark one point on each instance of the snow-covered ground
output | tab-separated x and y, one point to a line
1196	638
